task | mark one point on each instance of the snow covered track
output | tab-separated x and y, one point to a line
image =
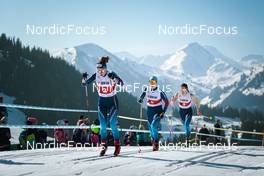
242	161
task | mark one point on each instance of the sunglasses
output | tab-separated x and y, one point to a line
152	82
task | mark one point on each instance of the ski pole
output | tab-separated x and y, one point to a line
170	126
86	94
85	75
141	112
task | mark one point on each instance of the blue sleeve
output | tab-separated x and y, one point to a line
165	100
89	80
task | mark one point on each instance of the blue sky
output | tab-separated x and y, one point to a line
133	25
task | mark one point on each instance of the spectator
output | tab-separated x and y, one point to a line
77	135
80	121
130	137
77	132
81	135
3	111
27	136
33	120
218	131
263	138
59	134
5	135
141	137
67	131
110	138
42	135
85	135
204	138
95	135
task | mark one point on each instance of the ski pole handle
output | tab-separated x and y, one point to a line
85	75
86	94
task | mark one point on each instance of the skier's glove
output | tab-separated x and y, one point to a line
162	115
85	75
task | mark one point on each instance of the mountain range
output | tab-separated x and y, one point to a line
218	80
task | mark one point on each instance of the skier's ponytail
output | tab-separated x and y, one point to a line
102	62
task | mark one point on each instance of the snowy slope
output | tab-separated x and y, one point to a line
154	60
69	54
241	161
254	83
217	54
249	91
192	59
246	90
150	60
124	55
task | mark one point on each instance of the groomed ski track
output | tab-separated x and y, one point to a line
200	161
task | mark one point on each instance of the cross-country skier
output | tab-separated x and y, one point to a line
155	108
107	103
185	100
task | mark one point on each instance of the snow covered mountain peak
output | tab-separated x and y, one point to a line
192	59
254	82
68	54
88	49
92	50
192	47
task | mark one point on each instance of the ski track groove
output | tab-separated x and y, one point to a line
24	174
40	153
116	166
191	161
79	173
97	157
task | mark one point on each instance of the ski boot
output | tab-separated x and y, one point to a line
104	147
155	145
117	147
